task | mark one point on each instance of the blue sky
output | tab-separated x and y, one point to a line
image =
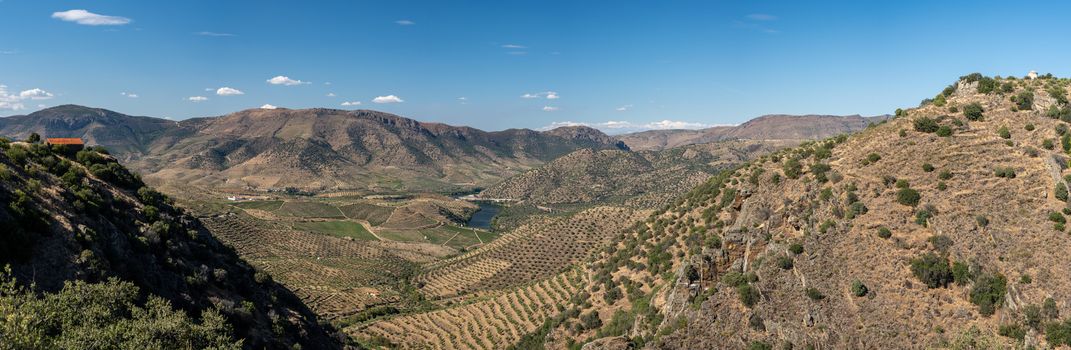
473	63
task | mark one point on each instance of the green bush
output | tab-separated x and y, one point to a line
926	124
923	215
591	320
932	270
873	157
961	273
1057	217
944	175
1047	144
748	295
907	196
988	292
814	294
784	262
859	289
1061	191
1012	330
927	167
792	168
944	131
1008	173
1004	133
819	171
884	232
1058	333
795	248
973	112
1029	127
1024	100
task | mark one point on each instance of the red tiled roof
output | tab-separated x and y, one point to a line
65	141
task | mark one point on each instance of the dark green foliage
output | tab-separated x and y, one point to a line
901	183
104	315
1057	217
923	215
940	243
795	248
34	138
826	225
1058	112
927	167
944	131
1012	330
944	175
1008	173
941	186
819	171
961	273
814	294
973	112
792	168
884	232
784	262
1004	133
926	124
1029	127
591	320
873	157
758	345
1061	191
1058	333
1047	144
859	289
988	292
932	270
1024	100
748	295
908	197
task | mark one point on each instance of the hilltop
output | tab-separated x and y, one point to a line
99	259
310	149
767	127
943	227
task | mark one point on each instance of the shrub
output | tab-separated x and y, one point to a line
944	175
792	168
873	157
941	186
1004	133
961	273
1029	127
973	111
784	262
819	171
923	215
907	196
988	292
795	248
1047	144
591	320
1024	100
1061	191
901	183
932	270
926	124
1057	217
748	295
941	243
981	220
927	167
814	294
1012	330
859	289
944	131
1057	333
1004	172
884	232
826	225
758	345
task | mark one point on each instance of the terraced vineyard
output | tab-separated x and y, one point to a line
334	276
536	250
490	323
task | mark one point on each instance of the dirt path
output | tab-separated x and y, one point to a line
368	227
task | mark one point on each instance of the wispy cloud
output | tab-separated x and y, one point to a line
550	109
550	95
387	99
84	17
351	103
227	91
624	108
404	22
129	94
622	126
213	34
284	80
761	17
12	101
197	99
331	94
514	46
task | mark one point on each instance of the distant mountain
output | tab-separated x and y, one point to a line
767	127
311	148
644	179
120	133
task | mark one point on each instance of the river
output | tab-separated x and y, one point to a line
481	219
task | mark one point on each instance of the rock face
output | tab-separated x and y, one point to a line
310	149
767	127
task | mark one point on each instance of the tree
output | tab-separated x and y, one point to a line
859	289
34	138
973	111
988	292
926	125
932	270
1024	100
908	196
792	168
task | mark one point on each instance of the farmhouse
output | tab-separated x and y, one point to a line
70	144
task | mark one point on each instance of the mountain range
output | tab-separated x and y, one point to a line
767	127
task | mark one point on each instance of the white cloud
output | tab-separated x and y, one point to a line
351	103
622	126
226	91
624	108
514	46
90	19
550	95
331	94
197	98
387	99
35	94
12	101
213	34
463	98
549	109
761	17
404	22
268	106
284	80
129	94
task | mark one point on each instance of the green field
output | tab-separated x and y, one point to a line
309	210
337	228
261	205
374	214
461	237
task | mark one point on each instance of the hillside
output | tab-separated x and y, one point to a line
311	149
645	179
944	227
120	267
767	127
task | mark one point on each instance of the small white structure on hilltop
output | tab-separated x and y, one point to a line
1032	75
